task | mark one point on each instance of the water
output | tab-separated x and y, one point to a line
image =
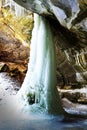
37	123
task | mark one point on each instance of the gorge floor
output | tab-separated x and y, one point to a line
8	90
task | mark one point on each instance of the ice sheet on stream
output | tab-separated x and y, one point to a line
8	90
26	121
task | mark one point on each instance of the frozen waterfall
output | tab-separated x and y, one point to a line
39	88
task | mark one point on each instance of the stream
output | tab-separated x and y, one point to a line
10	119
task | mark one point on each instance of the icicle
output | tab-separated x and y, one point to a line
40	80
19	11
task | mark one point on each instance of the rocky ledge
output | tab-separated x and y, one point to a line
14	56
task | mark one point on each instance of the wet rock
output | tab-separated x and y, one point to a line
4	67
76	108
75	96
82	100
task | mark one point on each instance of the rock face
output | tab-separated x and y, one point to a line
65	11
12	50
13	56
68	19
